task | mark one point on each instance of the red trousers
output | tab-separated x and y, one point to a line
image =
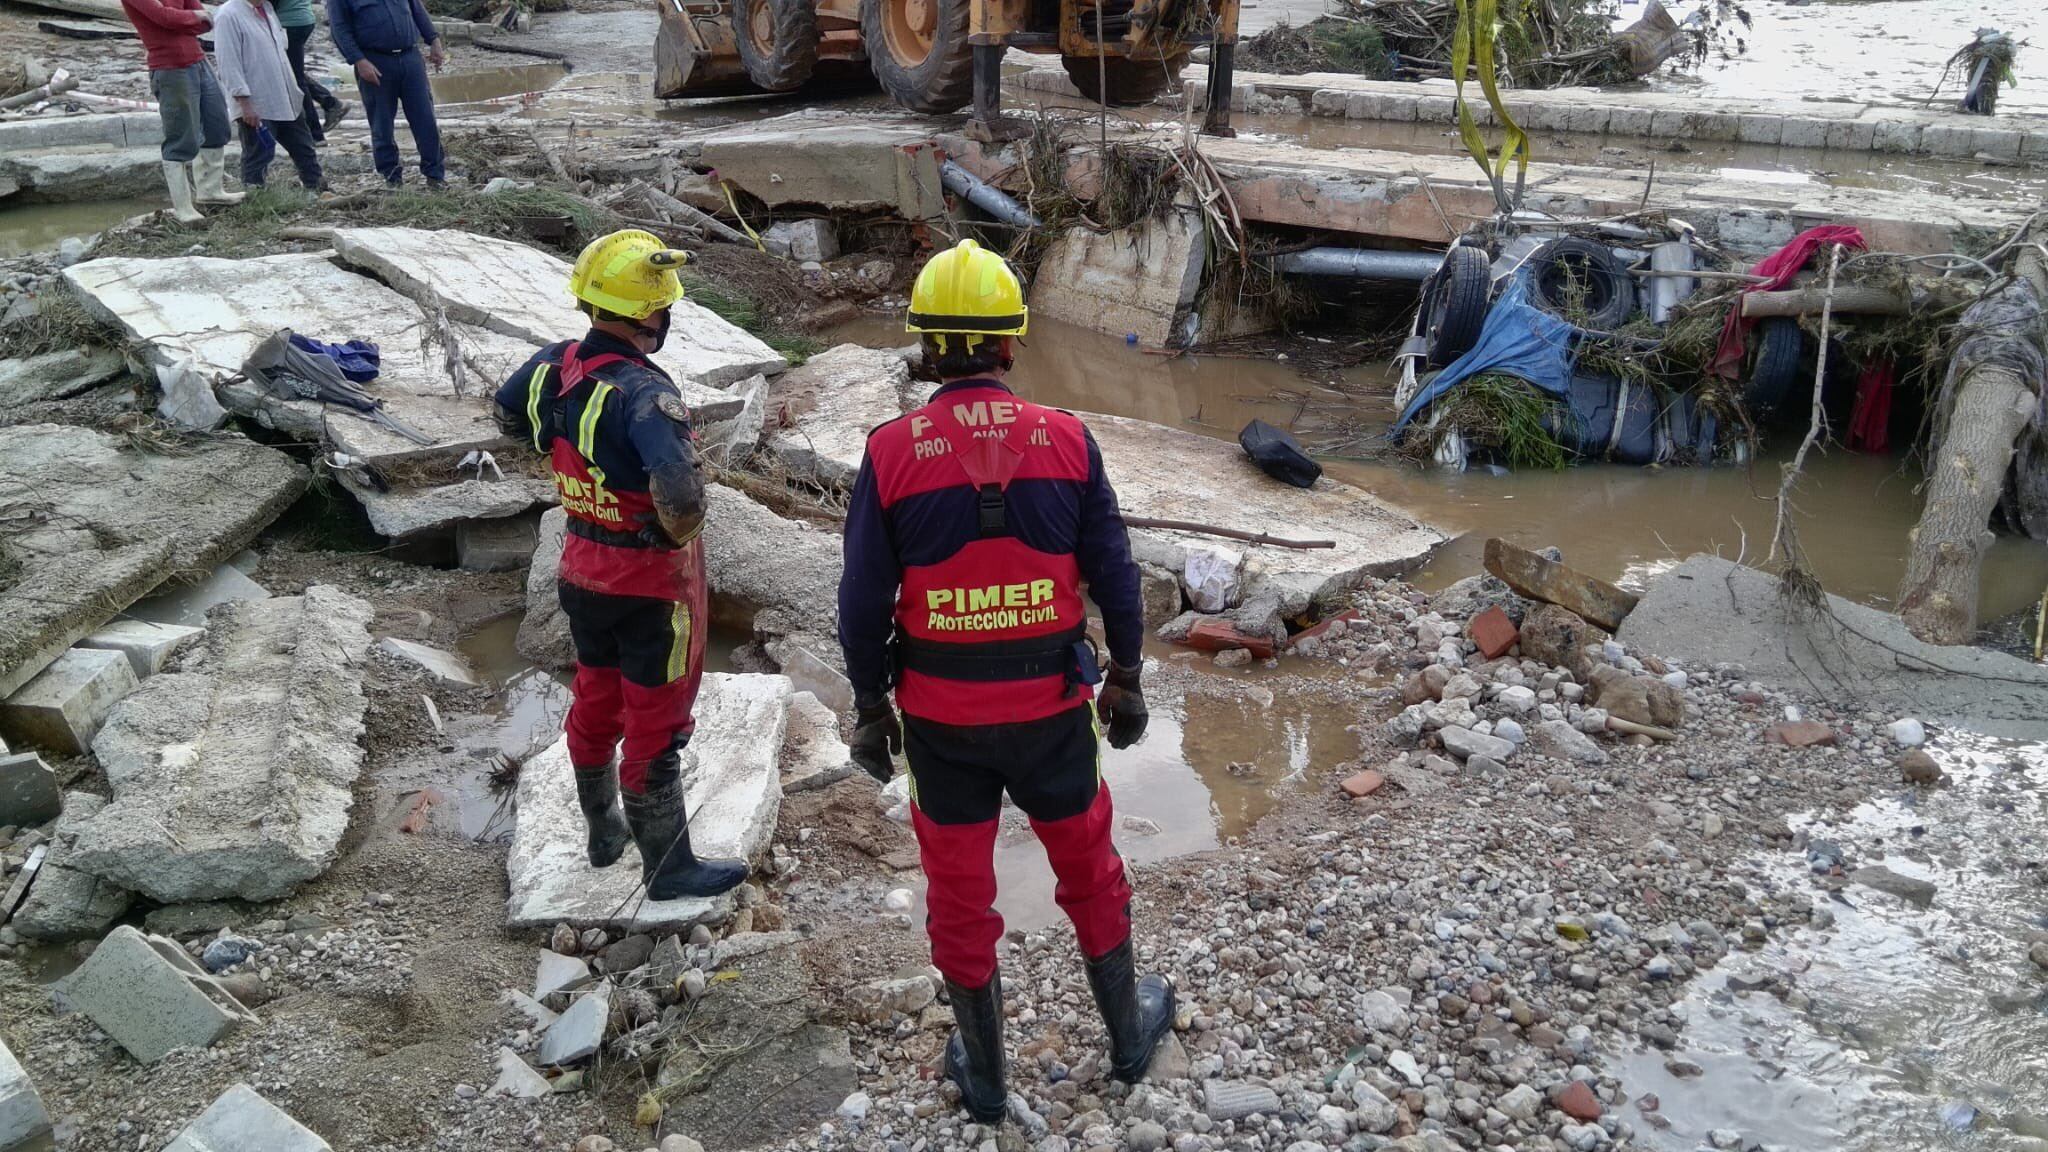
1052	769
639	663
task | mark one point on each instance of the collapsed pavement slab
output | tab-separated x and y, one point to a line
829	159
236	781
834	399
23	1119
520	291
1140	281
403	512
147	645
1168	474
147	994
241	1120
28	791
109	522
756	561
64	706
1711	611
57	375
64	903
733	789
813	755
186	605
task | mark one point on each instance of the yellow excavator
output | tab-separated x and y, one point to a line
938	56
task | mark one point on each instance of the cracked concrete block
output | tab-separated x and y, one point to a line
147	644
447	667
64	706
504	544
403	512
517	1079
28	791
810	674
1380	106
64	903
1760	128
24	1123
187	605
1851	136
1998	143
558	973
1950	140
1631	121
805	241
1898	136
1436	110
1804	132
56	375
813	755
241	1120
735	439
1140	280
1712	125
150	997
543	635
1328	102
835	398
2035	147
1668	122
579	1033
1588	118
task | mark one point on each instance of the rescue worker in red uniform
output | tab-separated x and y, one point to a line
975	520
617	435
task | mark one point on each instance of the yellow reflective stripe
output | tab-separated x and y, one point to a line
679	649
536	387
1095	722
586	429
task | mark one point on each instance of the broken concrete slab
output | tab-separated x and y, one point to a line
57	375
558	973
1140	281
64	903
543	635
1540	578
1710	611
517	1079
147	645
237	781
814	676
403	512
114	522
578	1033
23	1120
447	667
835	398
756	560
1168	474
733	791
521	292
735	439
241	1120
67	702
28	791
187	605
832	160
147	994
505	544
813	755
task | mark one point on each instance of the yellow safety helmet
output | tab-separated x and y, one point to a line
967	290
630	273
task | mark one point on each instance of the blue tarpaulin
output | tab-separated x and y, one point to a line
357	359
1518	340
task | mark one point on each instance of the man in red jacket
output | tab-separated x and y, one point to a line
188	98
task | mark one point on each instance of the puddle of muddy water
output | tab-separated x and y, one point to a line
41	227
1619	523
497	84
1911	1016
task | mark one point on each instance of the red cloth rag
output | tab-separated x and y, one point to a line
1780	267
1870	421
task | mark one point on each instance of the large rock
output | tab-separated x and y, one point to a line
733	790
23	1121
835	399
114	522
1558	637
1636	698
243	1121
147	994
64	903
521	292
236	781
56	375
1541	578
1710	611
543	635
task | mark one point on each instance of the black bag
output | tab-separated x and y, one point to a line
1278	454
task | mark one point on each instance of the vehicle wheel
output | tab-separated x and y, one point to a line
1780	345
1577	280
778	41
1458	299
919	52
1128	81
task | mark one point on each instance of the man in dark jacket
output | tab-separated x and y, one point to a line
974	522
380	39
632	578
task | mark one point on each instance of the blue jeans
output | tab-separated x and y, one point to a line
195	114
403	81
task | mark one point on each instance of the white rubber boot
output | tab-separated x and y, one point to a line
206	175
178	176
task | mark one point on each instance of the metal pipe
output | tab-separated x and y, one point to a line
1364	263
985	196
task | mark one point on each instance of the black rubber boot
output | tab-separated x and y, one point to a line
974	1054
597	793
667	865
1138	1013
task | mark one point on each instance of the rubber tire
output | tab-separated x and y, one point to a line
1611	297
1781	344
1460	295
794	53
1130	81
944	81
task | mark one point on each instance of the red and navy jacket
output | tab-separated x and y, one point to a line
949	598
597	420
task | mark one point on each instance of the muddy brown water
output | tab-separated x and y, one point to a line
41	227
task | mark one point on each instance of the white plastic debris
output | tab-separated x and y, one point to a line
1909	732
1211	574
899	900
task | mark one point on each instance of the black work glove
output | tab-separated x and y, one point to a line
1121	706
877	735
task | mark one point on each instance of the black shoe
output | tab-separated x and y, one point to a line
436	184
667	865
333	114
974	1054
597	793
1137	1013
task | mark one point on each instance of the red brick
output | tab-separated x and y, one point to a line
1222	635
1800	734
1493	632
1364	784
1578	1102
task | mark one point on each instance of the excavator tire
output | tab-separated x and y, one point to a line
1128	81
777	41
919	52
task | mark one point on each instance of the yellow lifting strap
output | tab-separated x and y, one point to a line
536	390
1473	44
